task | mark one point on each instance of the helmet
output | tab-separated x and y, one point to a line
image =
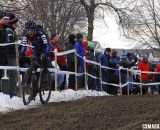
30	24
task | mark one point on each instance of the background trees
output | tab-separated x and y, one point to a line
56	16
120	9
145	24
138	19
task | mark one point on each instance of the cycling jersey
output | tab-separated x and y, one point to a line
39	41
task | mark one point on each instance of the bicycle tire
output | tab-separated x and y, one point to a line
45	86
29	83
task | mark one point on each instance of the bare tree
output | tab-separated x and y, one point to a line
56	16
145	24
118	8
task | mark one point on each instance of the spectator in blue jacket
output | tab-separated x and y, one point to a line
114	74
80	62
104	60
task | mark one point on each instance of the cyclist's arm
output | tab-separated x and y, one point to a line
47	44
24	41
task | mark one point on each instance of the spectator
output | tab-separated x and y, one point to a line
70	60
4	19
92	69
114	74
10	30
80	62
144	66
124	63
4	51
60	59
104	60
156	78
11	57
85	45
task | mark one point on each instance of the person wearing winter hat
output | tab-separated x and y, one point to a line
80	62
104	61
4	19
79	48
11	51
70	60
12	25
79	37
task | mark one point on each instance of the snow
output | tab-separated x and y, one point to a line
8	104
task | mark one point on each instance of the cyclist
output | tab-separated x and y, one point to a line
37	38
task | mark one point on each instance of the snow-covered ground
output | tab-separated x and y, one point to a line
9	104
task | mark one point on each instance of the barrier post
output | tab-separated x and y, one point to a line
100	67
55	55
140	82
128	81
120	89
5	83
75	58
85	73
18	71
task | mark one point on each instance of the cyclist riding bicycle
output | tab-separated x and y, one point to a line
37	38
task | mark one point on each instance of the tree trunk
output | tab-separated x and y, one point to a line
90	27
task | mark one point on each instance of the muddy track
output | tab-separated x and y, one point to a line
90	113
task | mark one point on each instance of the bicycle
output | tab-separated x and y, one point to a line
34	83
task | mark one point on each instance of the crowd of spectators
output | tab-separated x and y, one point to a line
108	59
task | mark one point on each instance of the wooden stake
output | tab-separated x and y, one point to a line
140	82
127	81
18	71
85	74
55	55
75	58
120	89
100	72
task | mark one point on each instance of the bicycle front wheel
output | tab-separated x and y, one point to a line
45	87
28	86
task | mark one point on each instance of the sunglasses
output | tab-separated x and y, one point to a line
5	18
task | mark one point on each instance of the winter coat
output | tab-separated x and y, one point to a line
70	57
5	51
80	51
10	34
85	45
2	33
143	66
10	38
114	60
39	41
104	60
156	77
60	59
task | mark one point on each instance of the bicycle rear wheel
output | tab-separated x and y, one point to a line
29	83
45	87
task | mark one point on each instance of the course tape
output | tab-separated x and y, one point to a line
65	52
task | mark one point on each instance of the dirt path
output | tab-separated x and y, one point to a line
91	113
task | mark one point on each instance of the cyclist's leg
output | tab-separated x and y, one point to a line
35	61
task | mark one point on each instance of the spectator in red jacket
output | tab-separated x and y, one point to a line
85	45
143	65
60	59
156	77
